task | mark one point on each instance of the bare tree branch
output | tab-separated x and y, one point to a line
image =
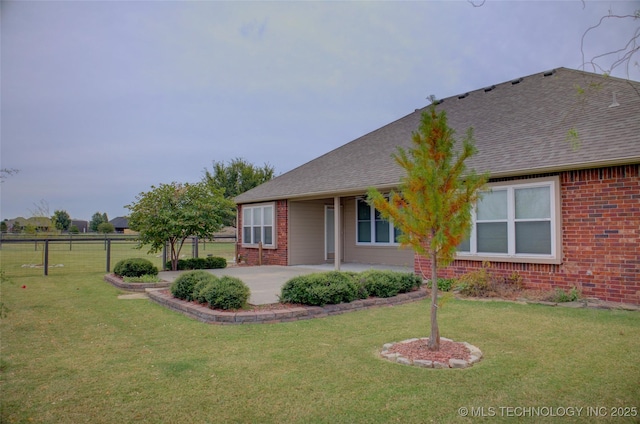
7	172
628	51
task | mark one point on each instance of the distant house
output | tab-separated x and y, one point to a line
562	212
121	224
33	224
81	225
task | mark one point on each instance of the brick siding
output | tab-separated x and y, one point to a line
278	256
600	242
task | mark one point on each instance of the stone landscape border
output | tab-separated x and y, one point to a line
475	355
134	287
267	316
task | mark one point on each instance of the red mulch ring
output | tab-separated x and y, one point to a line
418	350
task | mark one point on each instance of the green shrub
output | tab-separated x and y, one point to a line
444	284
211	262
135	267
320	289
215	262
387	283
199	293
183	286
142	279
295	289
226	293
560	296
379	283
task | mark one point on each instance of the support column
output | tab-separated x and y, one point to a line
337	239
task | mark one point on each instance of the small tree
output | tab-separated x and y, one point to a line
61	220
106	228
97	219
235	178
170	213
433	205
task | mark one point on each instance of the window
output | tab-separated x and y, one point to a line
257	225
371	228
517	221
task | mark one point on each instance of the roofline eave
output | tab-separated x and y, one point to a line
356	191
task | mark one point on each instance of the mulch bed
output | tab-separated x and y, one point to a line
418	350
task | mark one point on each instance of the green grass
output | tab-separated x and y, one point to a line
84	257
73	352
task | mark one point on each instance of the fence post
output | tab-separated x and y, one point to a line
108	256
46	257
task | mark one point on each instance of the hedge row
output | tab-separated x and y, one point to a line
219	293
210	262
337	287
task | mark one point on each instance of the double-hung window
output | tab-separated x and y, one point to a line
517	222
372	228
258	224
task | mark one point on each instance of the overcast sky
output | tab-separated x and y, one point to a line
102	100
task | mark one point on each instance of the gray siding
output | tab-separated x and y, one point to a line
381	255
306	232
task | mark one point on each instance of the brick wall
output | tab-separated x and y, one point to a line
276	256
601	239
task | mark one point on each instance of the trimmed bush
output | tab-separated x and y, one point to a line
199	292
379	283
183	286
215	262
226	293
321	289
135	267
210	262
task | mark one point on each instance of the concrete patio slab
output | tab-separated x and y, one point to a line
266	281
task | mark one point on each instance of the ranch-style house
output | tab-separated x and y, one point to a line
563	151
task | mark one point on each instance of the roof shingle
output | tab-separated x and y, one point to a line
520	128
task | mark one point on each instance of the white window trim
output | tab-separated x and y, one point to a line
373	243
556	225
274	226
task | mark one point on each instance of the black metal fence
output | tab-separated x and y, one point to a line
29	255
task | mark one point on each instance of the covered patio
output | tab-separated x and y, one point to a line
265	281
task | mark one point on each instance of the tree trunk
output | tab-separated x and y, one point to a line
434	338
174	256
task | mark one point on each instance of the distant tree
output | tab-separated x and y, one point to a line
170	213
96	219
3	227
73	229
106	228
433	205
236	177
105	218
61	220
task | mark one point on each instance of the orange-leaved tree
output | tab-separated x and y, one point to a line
433	204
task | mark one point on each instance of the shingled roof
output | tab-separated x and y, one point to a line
520	128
